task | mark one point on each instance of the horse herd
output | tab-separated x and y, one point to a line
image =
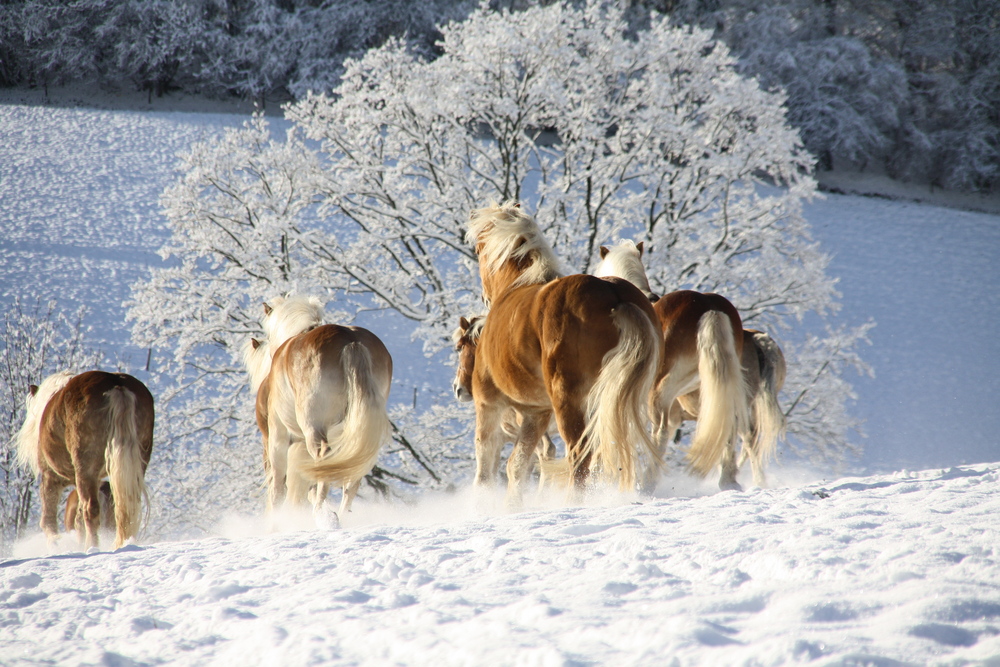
594	357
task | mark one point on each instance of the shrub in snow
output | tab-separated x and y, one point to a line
601	132
35	342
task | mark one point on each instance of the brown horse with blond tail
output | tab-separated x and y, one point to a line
79	429
583	349
702	373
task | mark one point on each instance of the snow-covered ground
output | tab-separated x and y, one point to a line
898	568
884	570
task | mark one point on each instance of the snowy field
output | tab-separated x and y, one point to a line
899	569
891	567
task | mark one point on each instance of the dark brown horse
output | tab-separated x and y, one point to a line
582	349
703	346
80	429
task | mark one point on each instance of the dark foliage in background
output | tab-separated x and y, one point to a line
909	87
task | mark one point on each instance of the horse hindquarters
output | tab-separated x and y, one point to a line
363	430
126	467
723	412
768	420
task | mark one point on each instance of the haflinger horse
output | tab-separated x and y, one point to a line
321	401
582	349
79	429
466	340
690	361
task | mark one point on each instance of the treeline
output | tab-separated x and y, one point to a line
257	49
909	86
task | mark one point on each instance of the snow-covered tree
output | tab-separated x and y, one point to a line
601	132
35	341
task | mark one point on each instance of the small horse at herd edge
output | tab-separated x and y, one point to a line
601	361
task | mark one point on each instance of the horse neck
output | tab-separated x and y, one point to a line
290	320
28	436
515	273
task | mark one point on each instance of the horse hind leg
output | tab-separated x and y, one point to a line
572	422
318	446
278	445
89	510
51	489
729	468
350	493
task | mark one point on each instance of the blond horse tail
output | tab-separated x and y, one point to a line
724	409
365	426
768	419
125	464
617	403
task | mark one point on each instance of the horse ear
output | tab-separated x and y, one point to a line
267	309
32	389
639	247
604	252
254	343
464	323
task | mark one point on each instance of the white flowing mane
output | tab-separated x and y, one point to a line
27	437
290	316
257	361
506	232
624	261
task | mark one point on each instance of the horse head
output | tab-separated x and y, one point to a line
257	360
625	261
466	338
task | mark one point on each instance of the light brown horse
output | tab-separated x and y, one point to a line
764	369
703	346
323	389
81	428
581	348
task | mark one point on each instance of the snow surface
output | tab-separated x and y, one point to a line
897	568
882	570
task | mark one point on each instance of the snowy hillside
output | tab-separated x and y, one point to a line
884	570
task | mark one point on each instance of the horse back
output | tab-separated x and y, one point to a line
565	324
679	313
323	347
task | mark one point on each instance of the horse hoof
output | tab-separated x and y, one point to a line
326	518
730	486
